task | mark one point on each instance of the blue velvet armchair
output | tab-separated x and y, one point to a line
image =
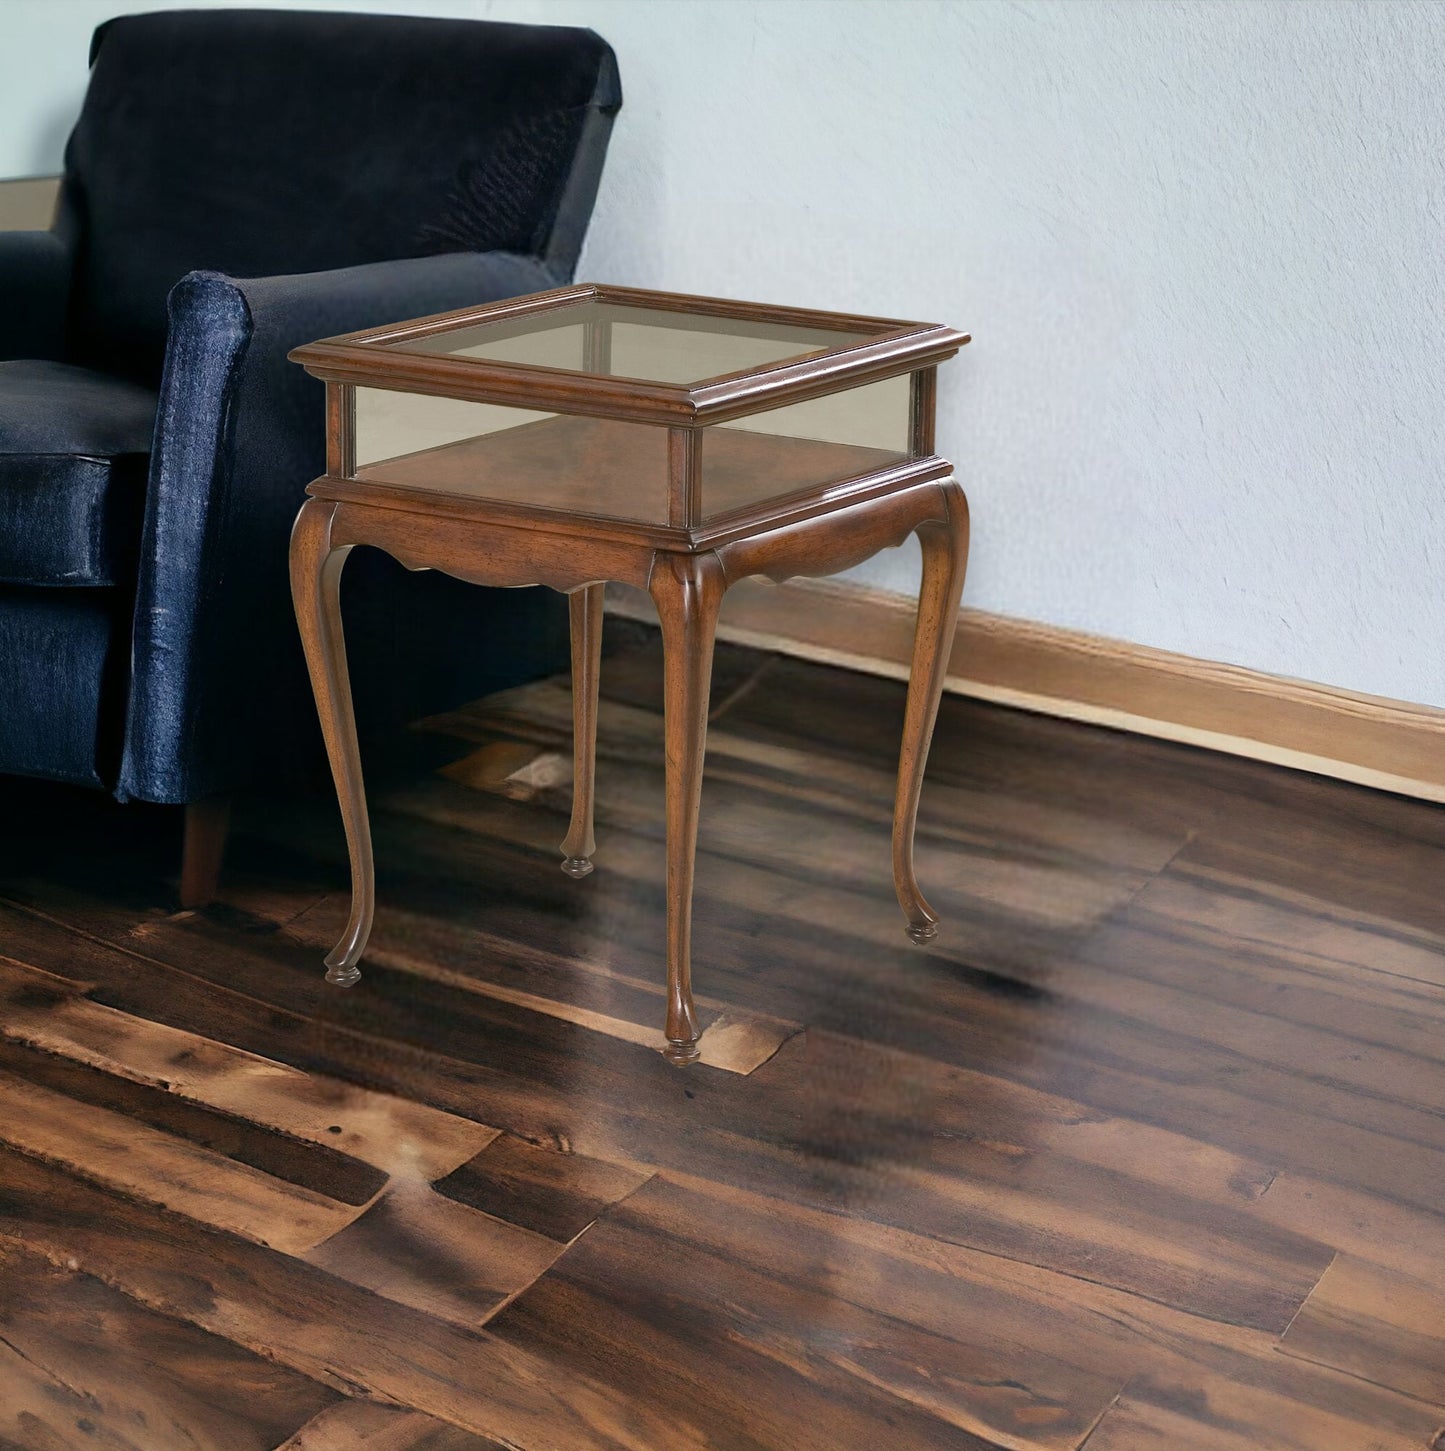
240	182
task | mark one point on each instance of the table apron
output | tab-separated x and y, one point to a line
513	556
832	542
491	554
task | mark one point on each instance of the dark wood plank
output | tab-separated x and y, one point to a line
1173	1224
596	994
1091	1035
557	1195
1019	1356
316	1167
162	1169
1227	1025
83	1366
1200	1095
1167	1089
366	1426
49	1012
316	1323
421	1249
713	1299
1308	926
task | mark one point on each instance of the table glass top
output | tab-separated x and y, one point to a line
622	340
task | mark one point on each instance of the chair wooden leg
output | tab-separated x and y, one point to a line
316	593
687	590
203	848
585	608
945	559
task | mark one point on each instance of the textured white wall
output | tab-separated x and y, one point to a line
1201	247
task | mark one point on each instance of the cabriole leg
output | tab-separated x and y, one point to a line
945	558
316	592
585	608
687	590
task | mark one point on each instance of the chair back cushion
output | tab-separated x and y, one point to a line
264	142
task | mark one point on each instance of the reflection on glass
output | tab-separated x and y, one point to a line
394	425
823	441
634	342
514	455
615	469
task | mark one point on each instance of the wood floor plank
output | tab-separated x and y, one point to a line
1144	1152
82	1366
1029	1314
944	1003
994	1342
1295	957
834	782
117	1150
590	995
318	1168
1211	1413
1377	1324
1367	1226
553	1194
318	1324
867	1139
1346	1080
1345	1063
1365	863
1290	922
420	1249
946	976
366	1426
1176	1227
713	1299
1202	1087
391	1134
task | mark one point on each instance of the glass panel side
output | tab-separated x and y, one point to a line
805	445
649	344
512	455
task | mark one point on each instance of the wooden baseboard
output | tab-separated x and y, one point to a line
1386	744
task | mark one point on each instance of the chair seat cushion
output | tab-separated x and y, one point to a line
74	446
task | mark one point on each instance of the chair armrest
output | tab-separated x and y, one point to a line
34	289
218	693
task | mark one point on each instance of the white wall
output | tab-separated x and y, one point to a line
1201	247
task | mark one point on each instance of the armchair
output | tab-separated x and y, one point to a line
238	183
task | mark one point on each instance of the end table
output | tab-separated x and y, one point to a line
673	443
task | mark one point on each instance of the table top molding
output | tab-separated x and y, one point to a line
378	358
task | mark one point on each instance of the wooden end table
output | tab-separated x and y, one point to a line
673	443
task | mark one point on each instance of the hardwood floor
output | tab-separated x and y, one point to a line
1145	1153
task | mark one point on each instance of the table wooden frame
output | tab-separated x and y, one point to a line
686	566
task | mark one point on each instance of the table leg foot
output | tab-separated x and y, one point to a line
577	867
922	932
342	974
682	1053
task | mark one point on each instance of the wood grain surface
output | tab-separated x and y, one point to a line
1145	1152
620	470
